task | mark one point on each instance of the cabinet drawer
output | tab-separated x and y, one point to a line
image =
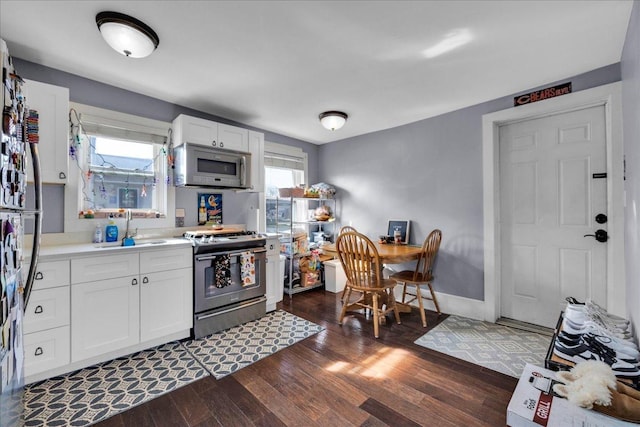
46	350
51	274
48	308
104	267
164	260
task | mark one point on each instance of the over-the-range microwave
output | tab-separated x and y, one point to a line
201	166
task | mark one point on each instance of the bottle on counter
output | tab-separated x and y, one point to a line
97	234
111	231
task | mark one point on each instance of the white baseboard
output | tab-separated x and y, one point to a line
453	304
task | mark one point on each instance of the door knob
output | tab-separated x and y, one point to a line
601	218
601	235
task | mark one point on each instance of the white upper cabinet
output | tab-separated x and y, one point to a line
205	132
256	147
194	131
233	138
52	104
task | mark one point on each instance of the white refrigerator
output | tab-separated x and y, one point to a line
19	137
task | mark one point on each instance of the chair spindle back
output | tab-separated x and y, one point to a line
427	257
359	258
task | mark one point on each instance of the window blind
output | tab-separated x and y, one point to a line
278	160
97	129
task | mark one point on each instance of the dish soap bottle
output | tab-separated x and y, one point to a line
97	234
112	231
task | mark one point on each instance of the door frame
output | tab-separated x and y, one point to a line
610	97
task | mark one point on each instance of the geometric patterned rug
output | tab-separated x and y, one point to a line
500	348
98	392
225	352
95	393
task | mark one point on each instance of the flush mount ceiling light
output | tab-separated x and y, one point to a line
126	34
333	120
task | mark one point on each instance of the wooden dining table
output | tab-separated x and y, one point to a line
389	253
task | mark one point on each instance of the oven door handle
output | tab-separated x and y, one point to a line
205	257
229	310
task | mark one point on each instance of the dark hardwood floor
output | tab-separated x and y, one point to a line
342	376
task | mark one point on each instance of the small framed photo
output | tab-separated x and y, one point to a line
399	225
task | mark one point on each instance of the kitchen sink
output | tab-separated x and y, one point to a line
118	244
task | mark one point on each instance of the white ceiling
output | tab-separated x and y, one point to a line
277	65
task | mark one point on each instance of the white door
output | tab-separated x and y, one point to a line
549	200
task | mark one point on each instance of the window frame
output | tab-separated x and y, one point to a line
73	188
272	149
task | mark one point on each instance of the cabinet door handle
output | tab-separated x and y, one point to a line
145	279
38	309
213	144
221	144
39	276
62	175
134	282
38	351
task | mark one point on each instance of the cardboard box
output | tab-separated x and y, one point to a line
534	404
300	246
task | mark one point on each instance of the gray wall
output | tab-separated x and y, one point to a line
631	116
91	92
429	172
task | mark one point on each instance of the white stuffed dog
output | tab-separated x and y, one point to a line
587	383
592	384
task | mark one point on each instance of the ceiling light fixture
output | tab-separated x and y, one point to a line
333	120
127	35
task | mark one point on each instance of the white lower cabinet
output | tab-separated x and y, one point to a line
45	350
46	320
274	281
91	309
105	316
165	303
48	309
153	302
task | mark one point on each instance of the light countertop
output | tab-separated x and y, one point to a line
53	252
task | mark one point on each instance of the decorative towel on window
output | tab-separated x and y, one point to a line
222	268
248	270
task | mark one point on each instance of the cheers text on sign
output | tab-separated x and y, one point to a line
542	94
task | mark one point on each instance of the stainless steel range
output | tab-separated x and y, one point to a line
229	279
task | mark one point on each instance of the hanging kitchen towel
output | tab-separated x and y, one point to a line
248	268
222	268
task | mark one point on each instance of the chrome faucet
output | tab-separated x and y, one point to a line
127	239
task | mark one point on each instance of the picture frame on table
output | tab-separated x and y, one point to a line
403	226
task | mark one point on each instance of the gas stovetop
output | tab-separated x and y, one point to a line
211	240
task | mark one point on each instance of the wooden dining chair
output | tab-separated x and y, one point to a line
422	275
344	229
361	263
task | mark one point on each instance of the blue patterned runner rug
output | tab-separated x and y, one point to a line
225	352
98	392
499	348
93	394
